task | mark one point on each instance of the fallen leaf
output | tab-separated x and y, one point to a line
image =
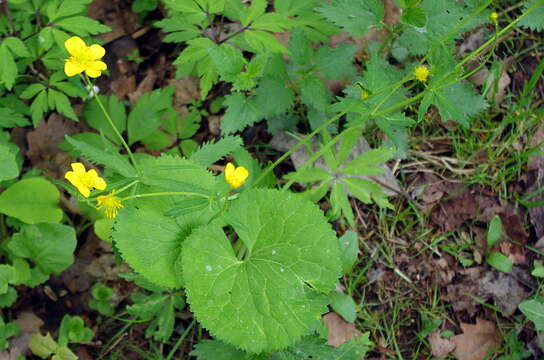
340	330
477	340
504	289
535	166
28	322
440	346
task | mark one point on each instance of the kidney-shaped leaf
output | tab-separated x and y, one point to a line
268	298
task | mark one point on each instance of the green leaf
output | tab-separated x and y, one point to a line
336	64
273	97
96	119
367	163
534	310
366	191
414	16
155	254
42	346
273	22
340	203
49	245
112	160
10	118
64	353
344	305
293	7
161	309
299	47
179	29
82	26
9	168
209	153
535	19
500	262
38	107
228	61
349	250
354	349
263	42
309	175
32	201
7	276
72	330
241	112
292	259
62	104
456	102
313	92
17	47
494	232
538	270
355	17
8	68
216	350
8	298
250	13
145	116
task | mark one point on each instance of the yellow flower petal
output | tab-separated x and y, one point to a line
72	68
235	176
84	190
75	46
229	170
78	168
96	52
97	181
93	73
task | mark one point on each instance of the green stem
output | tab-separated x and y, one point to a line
180	340
127	186
110	121
168	193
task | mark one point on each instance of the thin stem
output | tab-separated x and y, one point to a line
180	340
167	193
110	121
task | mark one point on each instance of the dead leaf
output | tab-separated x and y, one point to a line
145	86
29	322
477	340
186	90
440	346
504	289
340	330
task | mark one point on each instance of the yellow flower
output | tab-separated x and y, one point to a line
84	180
84	58
109	203
421	73
493	16
235	176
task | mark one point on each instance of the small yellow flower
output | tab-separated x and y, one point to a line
421	73
84	58
235	176
493	16
109	203
84	180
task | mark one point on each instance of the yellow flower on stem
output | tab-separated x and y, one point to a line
421	73
235	176
84	180
109	203
493	16
84	58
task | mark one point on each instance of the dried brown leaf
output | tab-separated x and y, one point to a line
477	340
340	330
440	346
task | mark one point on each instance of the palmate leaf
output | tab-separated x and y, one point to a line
355	17
209	153
535	19
272	297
